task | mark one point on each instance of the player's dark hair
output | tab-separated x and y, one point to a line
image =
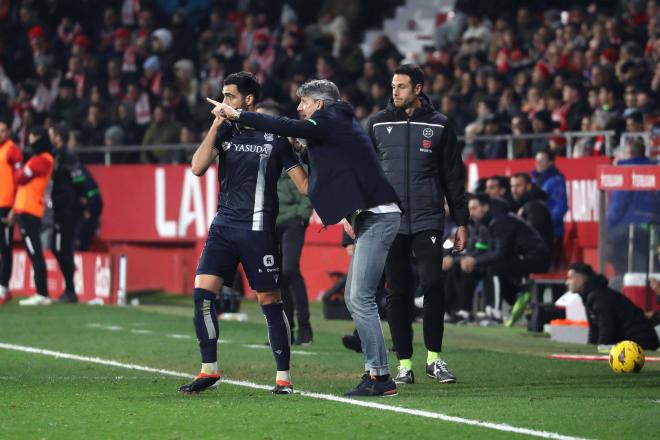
414	72
245	82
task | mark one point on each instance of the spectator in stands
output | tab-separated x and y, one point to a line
152	76
450	107
547	177
492	148
516	250
634	120
162	131
520	125
612	317
574	106
93	129
529	203
67	108
627	208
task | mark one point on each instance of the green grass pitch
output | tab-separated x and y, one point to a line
503	378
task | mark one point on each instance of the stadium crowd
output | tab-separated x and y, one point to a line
137	72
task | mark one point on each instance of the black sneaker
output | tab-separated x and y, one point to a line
438	370
371	387
203	382
352	342
282	387
304	337
404	376
68	297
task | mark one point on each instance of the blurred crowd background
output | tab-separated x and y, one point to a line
136	72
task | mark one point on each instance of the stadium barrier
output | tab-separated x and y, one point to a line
158	216
95	279
571	138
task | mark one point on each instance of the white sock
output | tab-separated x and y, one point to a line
3	291
283	375
210	368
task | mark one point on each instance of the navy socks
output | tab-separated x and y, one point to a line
279	334
206	324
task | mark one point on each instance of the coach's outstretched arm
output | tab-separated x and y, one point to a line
306	129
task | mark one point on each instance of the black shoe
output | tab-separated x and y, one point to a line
352	342
304	337
438	370
404	376
68	297
203	382
282	387
371	387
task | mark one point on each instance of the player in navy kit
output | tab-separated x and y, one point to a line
243	230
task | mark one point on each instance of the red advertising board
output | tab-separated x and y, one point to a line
94	278
148	204
629	178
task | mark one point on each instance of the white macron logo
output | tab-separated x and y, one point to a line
433	239
389	129
276	276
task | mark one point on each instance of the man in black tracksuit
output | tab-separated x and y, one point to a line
419	154
67	193
612	317
516	250
92	210
529	203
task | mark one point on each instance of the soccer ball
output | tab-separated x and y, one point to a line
626	357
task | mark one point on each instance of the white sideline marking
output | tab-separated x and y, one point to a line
112	328
304	353
367	404
141	331
179	336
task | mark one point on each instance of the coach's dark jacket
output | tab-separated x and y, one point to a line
344	174
421	159
613	318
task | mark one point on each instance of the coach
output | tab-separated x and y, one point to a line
346	182
420	156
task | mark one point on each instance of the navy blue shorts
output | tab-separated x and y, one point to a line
258	251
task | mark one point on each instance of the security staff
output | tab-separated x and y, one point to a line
67	195
29	206
92	209
11	160
419	154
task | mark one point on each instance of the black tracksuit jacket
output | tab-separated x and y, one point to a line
422	160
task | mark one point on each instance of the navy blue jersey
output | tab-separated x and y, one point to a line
250	163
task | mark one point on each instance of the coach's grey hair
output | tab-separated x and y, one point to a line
320	89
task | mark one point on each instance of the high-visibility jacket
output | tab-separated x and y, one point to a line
32	182
10	159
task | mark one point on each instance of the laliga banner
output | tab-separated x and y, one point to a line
93	277
150	203
168	203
